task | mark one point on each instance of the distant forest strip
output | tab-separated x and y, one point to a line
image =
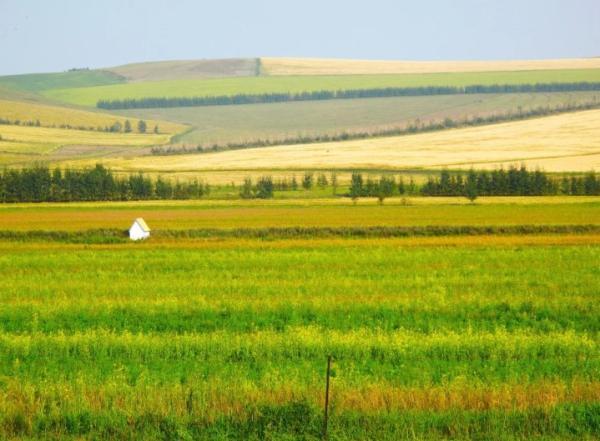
119	236
226	100
413	128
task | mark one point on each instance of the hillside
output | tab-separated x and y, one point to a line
187	69
278	121
569	142
67	100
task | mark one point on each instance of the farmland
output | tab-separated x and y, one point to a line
56	116
30	144
276	121
478	337
329	212
567	142
89	96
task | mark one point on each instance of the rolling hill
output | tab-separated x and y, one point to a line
568	142
65	101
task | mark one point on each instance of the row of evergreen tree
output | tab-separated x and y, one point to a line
412	128
40	184
512	182
224	100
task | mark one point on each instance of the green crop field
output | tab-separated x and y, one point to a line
276	121
89	96
485	337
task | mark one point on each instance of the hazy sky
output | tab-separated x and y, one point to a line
40	35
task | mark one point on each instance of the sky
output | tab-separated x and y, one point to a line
48	36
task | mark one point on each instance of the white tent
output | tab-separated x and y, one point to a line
139	230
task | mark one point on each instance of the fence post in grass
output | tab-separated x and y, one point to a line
326	415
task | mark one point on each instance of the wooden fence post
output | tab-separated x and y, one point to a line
326	416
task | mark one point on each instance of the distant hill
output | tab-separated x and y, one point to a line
188	69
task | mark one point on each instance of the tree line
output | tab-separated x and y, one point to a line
412	128
40	184
512	182
225	100
116	127
500	182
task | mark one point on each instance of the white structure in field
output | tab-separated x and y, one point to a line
139	230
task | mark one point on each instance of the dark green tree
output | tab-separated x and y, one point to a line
264	187
356	186
385	188
246	189
307	181
141	126
471	191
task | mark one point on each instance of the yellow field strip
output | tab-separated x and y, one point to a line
43	137
54	116
323	66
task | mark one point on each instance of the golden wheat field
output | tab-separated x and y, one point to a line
318	66
24	144
45	135
54	116
557	143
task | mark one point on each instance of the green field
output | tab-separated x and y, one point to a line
227	339
89	96
46	81
277	121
